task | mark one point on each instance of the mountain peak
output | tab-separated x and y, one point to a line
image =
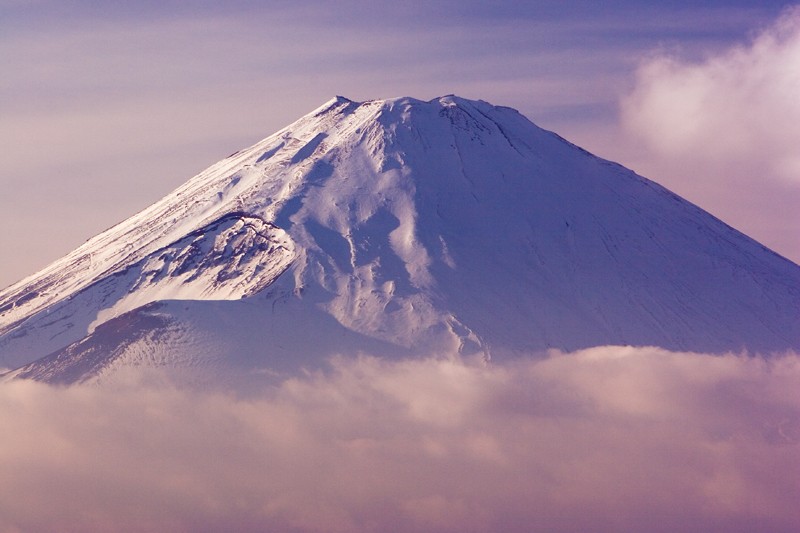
450	226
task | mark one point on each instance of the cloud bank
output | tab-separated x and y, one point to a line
605	439
729	126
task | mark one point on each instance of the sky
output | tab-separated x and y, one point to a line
105	106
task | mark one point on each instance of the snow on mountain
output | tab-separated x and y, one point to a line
399	227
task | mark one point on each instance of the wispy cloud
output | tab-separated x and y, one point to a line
606	439
740	105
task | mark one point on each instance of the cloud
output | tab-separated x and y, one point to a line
605	439
741	104
726	129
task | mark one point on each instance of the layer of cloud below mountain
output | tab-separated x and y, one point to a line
605	439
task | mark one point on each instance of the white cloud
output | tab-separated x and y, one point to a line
741	104
606	439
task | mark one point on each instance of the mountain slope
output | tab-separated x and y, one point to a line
406	227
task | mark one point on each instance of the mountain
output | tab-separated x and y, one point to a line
400	228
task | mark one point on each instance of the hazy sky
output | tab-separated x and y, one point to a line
105	107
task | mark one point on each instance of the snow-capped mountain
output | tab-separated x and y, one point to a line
399	227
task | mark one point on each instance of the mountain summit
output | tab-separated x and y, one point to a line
399	227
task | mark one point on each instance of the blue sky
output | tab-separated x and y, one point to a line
104	107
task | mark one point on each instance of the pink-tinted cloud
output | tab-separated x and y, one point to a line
724	131
741	104
606	439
